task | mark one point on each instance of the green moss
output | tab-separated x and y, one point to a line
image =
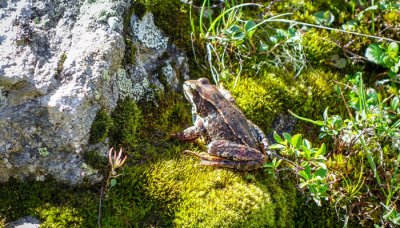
257	97
57	216
60	66
308	214
55	204
318	46
95	159
100	127
130	50
265	96
210	197
126	118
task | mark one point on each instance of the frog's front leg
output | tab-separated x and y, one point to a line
191	133
225	153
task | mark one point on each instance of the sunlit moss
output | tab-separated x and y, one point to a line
55	204
209	197
318	45
265	96
60	216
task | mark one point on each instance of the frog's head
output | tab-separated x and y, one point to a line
199	93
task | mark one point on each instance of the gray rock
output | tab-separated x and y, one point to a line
153	60
60	62
25	222
282	123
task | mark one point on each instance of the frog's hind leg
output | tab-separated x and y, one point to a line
234	151
225	153
248	165
203	156
210	160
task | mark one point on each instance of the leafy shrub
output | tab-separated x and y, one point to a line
369	141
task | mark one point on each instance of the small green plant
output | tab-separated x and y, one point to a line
234	36
309	163
370	135
386	55
115	161
43	152
36	20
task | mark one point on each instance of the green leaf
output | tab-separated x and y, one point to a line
306	153
372	95
262	47
329	18
388	61
303	184
277	147
320	173
277	138
325	115
235	32
321	150
306	173
307	144
287	136
278	163
316	122
113	182
268	165
396	124
394	103
396	67
341	63
371	8
335	57
374	53
324	17
393	49
322	165
296	140
249	25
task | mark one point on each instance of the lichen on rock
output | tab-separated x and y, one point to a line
147	33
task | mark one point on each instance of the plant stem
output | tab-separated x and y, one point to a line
100	204
373	18
324	27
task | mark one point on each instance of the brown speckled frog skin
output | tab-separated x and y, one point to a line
233	141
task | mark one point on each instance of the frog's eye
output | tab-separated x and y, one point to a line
204	81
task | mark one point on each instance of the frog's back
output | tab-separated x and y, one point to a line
229	123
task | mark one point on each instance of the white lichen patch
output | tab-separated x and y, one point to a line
147	33
124	83
140	88
88	169
170	75
106	75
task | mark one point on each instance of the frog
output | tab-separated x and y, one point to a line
232	140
